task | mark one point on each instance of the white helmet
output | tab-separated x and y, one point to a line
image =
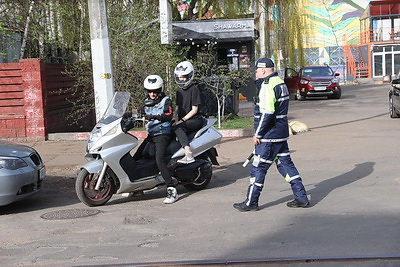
184	69
154	83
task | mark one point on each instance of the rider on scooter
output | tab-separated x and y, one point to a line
157	110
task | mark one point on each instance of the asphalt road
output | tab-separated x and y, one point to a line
349	163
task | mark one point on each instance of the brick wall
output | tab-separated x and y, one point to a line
31	102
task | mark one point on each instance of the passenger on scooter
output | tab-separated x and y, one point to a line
157	110
187	107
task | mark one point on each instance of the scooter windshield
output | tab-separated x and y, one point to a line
116	108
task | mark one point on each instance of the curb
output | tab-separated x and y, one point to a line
77	136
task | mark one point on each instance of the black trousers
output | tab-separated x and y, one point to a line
161	143
185	127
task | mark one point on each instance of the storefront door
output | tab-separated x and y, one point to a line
386	61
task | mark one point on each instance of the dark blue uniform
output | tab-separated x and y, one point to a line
272	128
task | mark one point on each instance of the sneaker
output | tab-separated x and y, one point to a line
243	207
188	158
297	204
172	195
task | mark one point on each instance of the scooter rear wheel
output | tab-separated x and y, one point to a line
205	175
85	188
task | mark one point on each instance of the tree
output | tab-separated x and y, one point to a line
136	52
284	31
211	9
220	82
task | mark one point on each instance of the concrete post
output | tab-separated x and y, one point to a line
101	56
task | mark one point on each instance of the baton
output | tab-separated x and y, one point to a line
248	159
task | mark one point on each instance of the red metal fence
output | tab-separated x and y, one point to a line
34	101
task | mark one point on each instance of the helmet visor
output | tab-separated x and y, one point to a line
181	80
157	90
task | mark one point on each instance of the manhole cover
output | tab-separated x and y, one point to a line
69	214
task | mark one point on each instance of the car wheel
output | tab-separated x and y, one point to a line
337	95
299	96
392	110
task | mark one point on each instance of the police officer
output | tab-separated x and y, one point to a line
270	138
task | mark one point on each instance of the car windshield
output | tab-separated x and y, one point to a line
317	72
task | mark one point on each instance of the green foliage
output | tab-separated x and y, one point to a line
134	35
212	9
220	81
284	38
54	27
232	121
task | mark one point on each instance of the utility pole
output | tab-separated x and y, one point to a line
101	56
166	36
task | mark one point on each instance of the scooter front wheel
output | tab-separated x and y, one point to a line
85	188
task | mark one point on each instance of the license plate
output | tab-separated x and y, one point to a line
42	173
319	88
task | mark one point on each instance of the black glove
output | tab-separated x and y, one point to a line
127	124
152	117
127	115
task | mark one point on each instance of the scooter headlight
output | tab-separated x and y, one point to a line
94	136
113	130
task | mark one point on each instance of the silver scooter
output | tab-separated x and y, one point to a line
111	169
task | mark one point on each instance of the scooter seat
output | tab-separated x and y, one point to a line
150	151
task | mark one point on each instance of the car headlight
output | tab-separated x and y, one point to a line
302	81
12	163
334	80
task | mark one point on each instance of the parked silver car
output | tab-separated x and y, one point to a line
21	172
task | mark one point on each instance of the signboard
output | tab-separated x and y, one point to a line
239	29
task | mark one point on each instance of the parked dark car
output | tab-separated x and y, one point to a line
394	99
313	81
21	172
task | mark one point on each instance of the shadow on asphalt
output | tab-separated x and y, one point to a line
58	191
325	187
222	176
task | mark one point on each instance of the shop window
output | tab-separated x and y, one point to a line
396	58
378	71
388	64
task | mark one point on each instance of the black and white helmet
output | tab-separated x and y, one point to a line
154	83
184	69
